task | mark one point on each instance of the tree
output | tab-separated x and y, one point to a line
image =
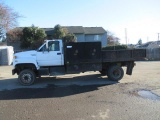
32	37
62	33
139	42
70	38
8	19
14	35
58	32
111	39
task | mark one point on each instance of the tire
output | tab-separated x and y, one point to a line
26	77
115	73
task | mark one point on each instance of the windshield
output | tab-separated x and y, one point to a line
42	48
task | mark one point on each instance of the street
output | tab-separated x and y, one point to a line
85	96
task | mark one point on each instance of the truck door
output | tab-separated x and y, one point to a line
53	56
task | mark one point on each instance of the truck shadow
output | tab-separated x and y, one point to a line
52	87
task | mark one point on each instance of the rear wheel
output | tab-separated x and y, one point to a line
26	77
115	73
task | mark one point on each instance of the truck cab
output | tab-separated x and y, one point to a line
50	53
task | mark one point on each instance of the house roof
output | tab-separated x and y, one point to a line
74	29
78	30
151	44
94	30
48	31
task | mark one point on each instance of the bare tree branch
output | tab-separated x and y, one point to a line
8	17
112	39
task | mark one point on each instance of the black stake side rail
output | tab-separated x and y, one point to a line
123	55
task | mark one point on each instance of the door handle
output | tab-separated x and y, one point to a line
58	53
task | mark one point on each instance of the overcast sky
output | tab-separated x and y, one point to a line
141	18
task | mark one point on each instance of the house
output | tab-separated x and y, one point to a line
155	44
84	34
152	50
150	45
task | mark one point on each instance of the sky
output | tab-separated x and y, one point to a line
136	19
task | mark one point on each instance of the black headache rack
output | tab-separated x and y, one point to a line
83	56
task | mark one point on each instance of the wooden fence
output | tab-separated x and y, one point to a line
153	54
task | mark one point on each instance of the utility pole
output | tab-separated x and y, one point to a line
158	35
126	35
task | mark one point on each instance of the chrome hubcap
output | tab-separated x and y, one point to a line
26	78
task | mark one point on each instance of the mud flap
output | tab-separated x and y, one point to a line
130	66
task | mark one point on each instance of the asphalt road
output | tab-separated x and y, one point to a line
87	96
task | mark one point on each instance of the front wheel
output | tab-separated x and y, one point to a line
115	73
26	77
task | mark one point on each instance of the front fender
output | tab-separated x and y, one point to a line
26	61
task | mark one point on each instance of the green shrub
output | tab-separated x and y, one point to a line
117	47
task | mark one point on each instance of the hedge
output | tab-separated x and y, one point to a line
117	47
